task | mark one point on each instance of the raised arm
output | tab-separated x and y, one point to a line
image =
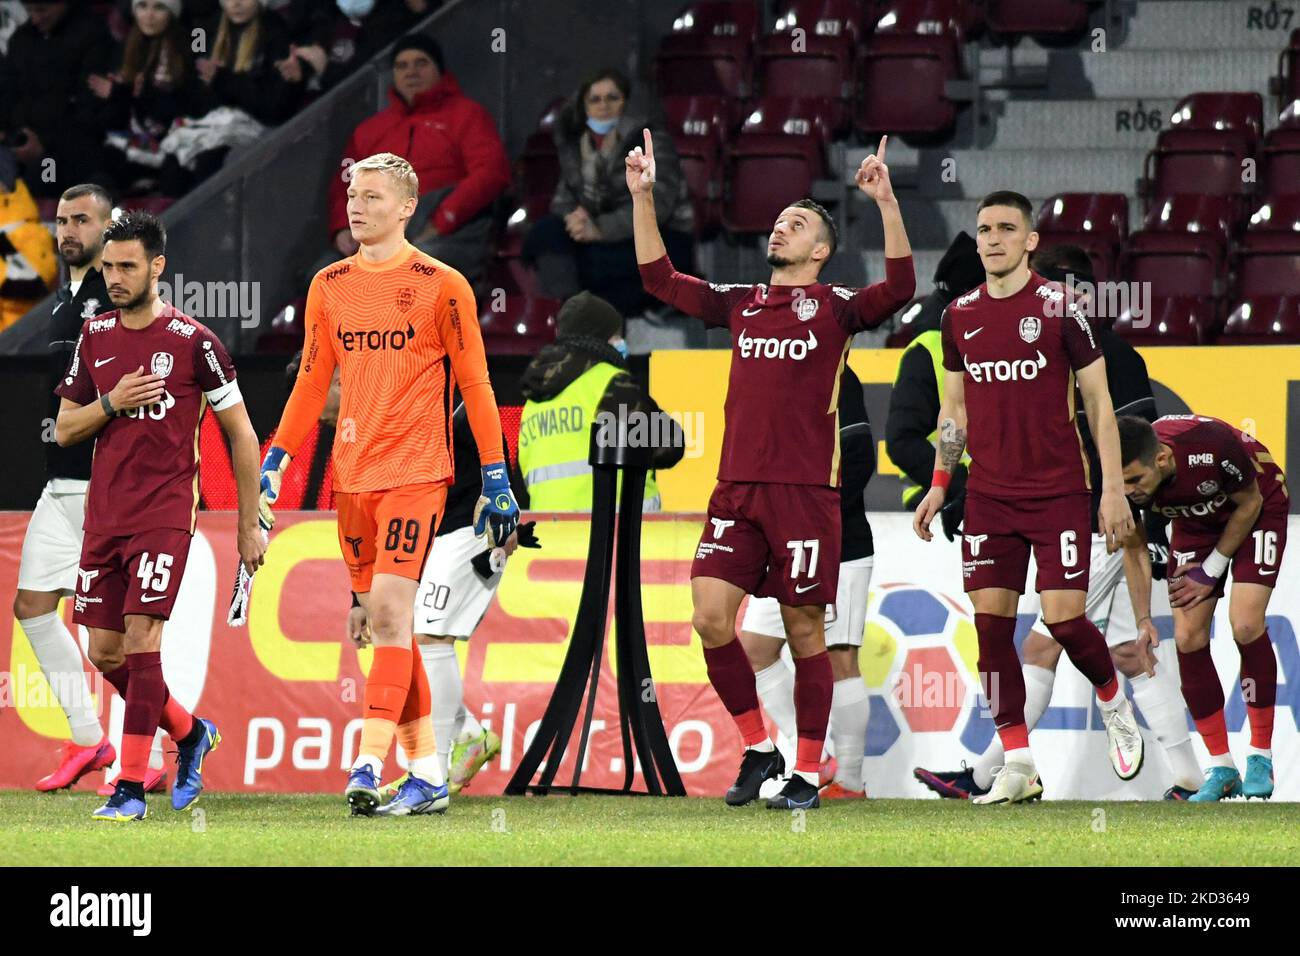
872	305
640	168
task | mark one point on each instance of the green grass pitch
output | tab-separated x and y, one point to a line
271	830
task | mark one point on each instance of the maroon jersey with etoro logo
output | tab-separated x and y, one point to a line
145	473
1213	460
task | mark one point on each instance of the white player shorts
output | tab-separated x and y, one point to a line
1107	603
846	619
52	545
452	597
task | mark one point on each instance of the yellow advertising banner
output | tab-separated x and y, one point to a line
1247	386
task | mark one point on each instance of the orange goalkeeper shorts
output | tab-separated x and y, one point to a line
389	532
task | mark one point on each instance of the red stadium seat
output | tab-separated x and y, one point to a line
822	70
1280	160
1288	69
699	128
523	326
772	163
1263	320
1277	214
1195	161
1176	320
709	49
1173	264
906	65
537	171
1234	112
285	332
1096	222
825	19
1268	263
1198	216
1039	17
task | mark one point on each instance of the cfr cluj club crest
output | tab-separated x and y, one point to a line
1030	328
405	299
161	364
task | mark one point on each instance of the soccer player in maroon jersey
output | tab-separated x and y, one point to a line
1013	349
138	382
1227	499
773	525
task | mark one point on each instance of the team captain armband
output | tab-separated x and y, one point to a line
225	396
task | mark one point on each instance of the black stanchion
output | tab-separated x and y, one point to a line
640	722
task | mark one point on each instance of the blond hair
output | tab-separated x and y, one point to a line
397	169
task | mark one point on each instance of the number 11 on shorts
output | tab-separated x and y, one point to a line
797	549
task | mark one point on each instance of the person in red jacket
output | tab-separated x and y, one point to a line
452	142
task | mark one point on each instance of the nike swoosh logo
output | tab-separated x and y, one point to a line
99	362
971	334
750	311
403	560
1123	766
1262	571
1071	575
147	598
806	588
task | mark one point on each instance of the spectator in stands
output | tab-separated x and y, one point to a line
586	241
914	403
154	85
453	144
580	375
46	110
29	266
13	14
245	42
358	29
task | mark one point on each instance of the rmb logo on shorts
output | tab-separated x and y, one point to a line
1004	371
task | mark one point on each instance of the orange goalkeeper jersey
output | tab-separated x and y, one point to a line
404	333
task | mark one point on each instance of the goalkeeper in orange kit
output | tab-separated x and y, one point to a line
402	327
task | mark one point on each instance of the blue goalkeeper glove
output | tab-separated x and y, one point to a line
497	512
274	466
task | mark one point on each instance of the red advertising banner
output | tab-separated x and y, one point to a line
286	690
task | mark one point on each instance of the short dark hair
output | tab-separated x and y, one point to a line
574	118
1009	197
94	190
828	222
1137	440
139	225
1057	262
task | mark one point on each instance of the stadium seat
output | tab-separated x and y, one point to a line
905	325
1199	217
1267	263
698	125
709	50
905	67
826	19
772	163
1233	112
1288	69
1263	320
1037	17
820	62
1280	162
1277	214
285	331
537	171
1174	320
1173	264
522	327
1096	222
1195	161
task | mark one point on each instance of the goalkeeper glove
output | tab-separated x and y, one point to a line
273	468
497	512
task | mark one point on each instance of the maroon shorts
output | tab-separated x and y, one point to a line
131	574
1256	562
997	534
773	540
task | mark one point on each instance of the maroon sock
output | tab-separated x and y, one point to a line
999	665
1201	687
1086	649
813	684
1259	688
145	693
732	677
119	678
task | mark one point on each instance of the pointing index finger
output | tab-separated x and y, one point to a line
649	144
880	150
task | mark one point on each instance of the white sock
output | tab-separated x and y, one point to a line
446	690
1222	760
1161	703
765	747
850	710
156	751
428	768
1260	752
775	685
60	660
467	726
1038	694
374	763
811	778
1020	755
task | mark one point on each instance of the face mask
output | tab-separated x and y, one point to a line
601	127
356	9
621	347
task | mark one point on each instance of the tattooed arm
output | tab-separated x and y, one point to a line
952	443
